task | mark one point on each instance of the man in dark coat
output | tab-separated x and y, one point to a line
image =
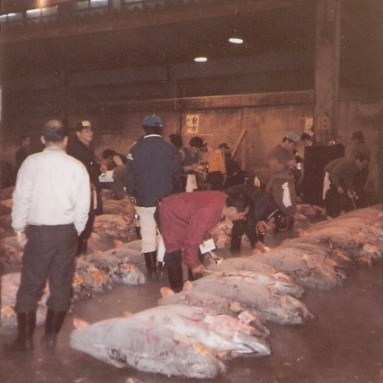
282	163
81	149
23	151
264	215
153	172
339	194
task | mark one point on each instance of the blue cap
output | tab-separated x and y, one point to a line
293	137
153	120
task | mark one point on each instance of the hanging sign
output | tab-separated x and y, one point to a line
192	123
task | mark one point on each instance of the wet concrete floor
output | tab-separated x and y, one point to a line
343	344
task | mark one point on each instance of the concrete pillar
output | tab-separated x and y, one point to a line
327	56
63	95
172	83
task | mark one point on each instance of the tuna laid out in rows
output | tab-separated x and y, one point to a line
225	335
5	226
306	268
270	305
220	305
119	270
109	231
129	342
360	237
155	349
98	280
10	254
9	285
324	250
127	252
112	206
278	281
312	211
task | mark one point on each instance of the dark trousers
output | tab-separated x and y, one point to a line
173	265
335	203
243	227
359	182
49	254
216	180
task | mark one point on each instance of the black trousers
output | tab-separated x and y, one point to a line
241	227
359	182
49	254
216	180
335	203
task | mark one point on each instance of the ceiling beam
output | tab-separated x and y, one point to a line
154	19
9	6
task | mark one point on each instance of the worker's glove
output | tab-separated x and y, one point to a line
351	194
198	271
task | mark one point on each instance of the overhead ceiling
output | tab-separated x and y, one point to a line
177	35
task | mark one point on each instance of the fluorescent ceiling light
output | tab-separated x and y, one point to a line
235	40
33	11
8	15
200	59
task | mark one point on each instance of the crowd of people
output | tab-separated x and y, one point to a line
179	191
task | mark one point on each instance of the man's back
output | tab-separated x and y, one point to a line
153	169
49	188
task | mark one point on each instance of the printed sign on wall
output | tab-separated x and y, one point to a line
192	123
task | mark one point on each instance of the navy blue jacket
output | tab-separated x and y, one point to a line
262	203
153	170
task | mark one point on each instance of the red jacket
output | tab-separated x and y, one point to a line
186	218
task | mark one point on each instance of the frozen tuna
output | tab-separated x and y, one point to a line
119	270
220	305
273	306
9	286
97	280
324	250
128	342
224	334
251	267
307	269
312	211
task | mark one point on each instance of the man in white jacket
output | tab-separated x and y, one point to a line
50	208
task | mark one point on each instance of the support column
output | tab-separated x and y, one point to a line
63	95
327	57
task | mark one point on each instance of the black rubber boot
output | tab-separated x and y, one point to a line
155	266
173	265
175	275
26	323
53	323
160	271
151	264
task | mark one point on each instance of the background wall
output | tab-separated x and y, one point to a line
266	118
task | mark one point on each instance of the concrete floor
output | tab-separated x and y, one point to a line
343	344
